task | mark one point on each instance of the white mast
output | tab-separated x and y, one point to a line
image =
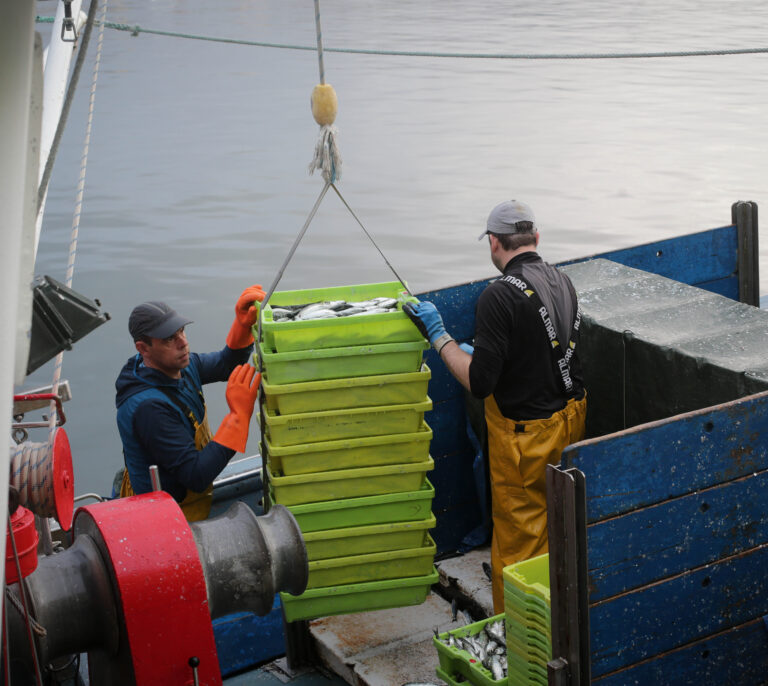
58	58
20	82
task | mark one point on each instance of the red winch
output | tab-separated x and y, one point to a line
139	586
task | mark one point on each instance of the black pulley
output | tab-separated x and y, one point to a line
60	316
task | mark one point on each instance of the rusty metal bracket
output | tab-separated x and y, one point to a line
567	528
34	398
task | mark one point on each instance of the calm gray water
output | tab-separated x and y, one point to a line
197	180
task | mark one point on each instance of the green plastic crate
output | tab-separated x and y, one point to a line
356	391
529	644
349	598
405	506
530	577
532	620
524	673
372	538
288	336
459	680
526	612
356	422
348	483
367	451
455	661
390	564
337	363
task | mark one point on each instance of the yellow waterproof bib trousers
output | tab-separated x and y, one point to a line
519	452
196	506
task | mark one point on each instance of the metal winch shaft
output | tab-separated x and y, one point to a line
246	559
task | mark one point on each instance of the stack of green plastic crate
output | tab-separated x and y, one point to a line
527	620
347	448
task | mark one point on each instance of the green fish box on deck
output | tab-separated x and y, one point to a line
339	394
364	597
289	336
338	363
404	506
367	451
459	665
347	483
331	425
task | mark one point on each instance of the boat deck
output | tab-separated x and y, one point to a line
387	647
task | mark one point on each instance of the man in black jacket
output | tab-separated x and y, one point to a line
525	366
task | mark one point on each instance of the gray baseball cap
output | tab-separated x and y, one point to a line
156	320
506	217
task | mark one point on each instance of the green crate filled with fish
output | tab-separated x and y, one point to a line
403	506
348	483
477	651
339	394
355	422
371	538
389	564
458	679
366	451
337	363
364	597
336	317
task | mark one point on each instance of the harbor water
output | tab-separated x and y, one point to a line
197	181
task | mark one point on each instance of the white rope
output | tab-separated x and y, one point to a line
78	209
32	476
327	157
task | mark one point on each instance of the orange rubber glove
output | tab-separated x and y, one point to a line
242	389
246	312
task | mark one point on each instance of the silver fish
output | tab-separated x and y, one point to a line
322	313
496	669
310	308
496	631
386	303
374	310
482	638
350	311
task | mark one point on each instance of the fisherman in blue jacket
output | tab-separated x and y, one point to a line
161	413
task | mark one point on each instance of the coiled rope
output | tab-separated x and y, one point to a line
135	30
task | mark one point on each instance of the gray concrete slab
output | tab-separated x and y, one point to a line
384	647
463	577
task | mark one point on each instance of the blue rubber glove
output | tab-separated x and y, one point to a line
467	348
427	319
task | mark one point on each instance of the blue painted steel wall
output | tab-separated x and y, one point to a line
677	547
708	259
243	639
